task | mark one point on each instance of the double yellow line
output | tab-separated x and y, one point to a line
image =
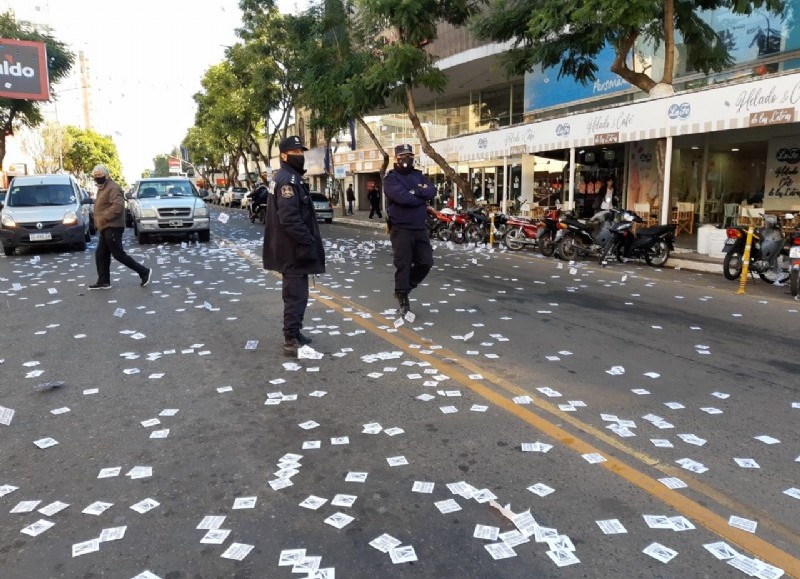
450	363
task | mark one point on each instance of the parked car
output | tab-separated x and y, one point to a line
44	210
233	196
168	206
322	206
215	196
85	195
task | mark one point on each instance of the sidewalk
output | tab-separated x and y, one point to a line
685	255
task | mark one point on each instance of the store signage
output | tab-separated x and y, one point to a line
23	70
606	138
773	117
174	166
679	111
782	182
562	129
452	157
518	150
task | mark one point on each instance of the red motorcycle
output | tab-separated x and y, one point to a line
521	232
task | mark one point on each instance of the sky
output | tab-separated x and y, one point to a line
146	59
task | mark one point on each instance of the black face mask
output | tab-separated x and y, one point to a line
404	166
99	180
296	162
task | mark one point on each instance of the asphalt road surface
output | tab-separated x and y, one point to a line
534	419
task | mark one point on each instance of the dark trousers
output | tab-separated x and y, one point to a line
413	257
295	299
109	244
375	207
349	207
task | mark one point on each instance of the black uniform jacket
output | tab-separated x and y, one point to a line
292	243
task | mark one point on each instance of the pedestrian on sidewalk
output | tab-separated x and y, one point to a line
109	219
408	192
351	197
374	198
292	242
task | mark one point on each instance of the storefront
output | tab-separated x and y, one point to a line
724	145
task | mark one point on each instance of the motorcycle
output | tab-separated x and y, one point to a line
521	232
257	211
653	244
481	224
585	239
794	264
768	257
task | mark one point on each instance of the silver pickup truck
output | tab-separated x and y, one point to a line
167	206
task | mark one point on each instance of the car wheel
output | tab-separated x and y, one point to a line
8	250
204	235
88	235
329	220
80	246
142	238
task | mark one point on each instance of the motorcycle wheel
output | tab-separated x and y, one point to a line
444	233
657	255
566	249
771	277
732	265
512	239
473	234
547	245
500	232
794	282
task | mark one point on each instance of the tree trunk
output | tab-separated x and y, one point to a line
462	183
669	41
6	130
620	65
375	140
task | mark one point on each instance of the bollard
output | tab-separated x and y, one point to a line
746	260
491	229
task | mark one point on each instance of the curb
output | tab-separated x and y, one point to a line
673	263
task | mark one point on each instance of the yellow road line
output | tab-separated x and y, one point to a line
707	518
445	361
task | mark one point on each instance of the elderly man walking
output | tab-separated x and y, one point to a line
109	218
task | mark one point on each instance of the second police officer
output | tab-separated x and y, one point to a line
408	192
292	242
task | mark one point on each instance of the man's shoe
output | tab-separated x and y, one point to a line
290	347
146	278
303	339
100	286
405	305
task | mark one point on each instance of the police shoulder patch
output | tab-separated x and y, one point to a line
287	191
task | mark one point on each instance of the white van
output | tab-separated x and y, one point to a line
44	210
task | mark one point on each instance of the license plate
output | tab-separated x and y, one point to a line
794	252
176	223
41	236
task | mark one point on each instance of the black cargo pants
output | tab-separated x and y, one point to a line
295	299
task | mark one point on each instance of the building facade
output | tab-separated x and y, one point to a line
728	137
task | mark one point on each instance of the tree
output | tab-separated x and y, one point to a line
19	112
205	151
88	149
586	28
403	64
46	145
160	166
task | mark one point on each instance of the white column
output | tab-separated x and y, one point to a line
666	211
704	176
571	193
504	206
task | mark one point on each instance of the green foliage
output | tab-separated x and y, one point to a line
570	35
87	149
160	166
16	112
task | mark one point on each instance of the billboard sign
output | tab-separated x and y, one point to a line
23	70
174	166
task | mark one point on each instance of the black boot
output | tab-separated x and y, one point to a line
303	339
290	347
405	305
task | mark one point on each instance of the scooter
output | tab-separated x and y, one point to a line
653	244
585	239
767	256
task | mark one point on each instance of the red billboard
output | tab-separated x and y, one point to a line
23	70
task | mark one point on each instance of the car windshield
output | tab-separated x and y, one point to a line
153	189
239	190
39	195
319	197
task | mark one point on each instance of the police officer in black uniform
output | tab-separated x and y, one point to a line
292	242
408	192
